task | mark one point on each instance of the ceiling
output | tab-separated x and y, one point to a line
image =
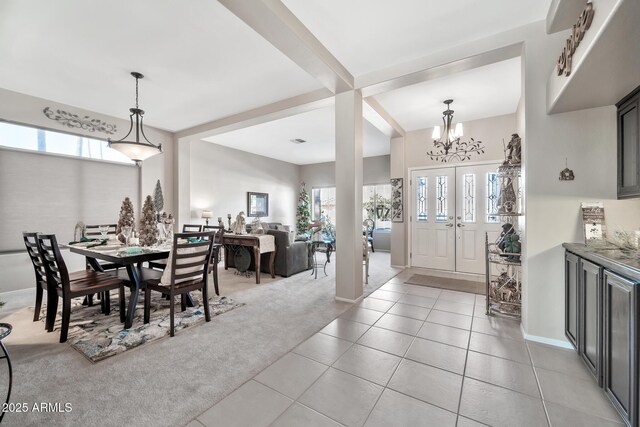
388	33
482	92
317	127
202	63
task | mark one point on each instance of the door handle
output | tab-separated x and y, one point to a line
449	225
460	225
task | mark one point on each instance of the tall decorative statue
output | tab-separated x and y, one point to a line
513	152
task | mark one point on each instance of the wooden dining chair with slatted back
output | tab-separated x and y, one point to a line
61	285
93	232
161	264
187	271
215	256
30	242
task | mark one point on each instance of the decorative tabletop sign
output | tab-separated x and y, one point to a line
593	220
577	34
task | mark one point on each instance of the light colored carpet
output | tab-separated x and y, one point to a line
176	379
446	283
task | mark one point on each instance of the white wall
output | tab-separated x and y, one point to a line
375	171
220	178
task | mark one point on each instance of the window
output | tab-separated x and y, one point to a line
376	205
469	197
441	198
323	203
422	214
45	141
493	192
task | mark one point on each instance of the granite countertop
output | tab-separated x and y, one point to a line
622	262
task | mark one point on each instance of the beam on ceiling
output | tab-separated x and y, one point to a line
280	27
457	66
381	119
287	107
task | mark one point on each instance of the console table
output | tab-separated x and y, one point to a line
259	244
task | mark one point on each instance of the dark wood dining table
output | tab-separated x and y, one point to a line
132	263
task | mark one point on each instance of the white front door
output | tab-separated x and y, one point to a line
477	195
432	218
450	214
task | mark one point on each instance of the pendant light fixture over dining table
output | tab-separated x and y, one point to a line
448	144
136	150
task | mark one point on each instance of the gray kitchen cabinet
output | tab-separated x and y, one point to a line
620	345
571	264
590	317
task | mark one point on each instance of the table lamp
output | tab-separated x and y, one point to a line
206	215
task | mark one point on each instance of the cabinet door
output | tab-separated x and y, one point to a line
620	365
590	317
571	262
628	148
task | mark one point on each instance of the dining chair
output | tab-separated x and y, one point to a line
31	243
93	232
161	264
187	271
215	257
367	230
65	285
365	258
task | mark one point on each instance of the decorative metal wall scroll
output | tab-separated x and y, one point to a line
75	121
397	213
577	34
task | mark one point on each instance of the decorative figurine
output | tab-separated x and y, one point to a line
513	152
507	200
240	226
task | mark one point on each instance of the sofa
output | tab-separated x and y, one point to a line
291	258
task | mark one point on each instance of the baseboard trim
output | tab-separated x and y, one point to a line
397	266
545	340
350	301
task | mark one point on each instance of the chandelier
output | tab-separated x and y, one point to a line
448	144
136	150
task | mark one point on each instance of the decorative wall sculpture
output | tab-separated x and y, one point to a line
75	121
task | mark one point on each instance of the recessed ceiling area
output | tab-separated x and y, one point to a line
482	92
317	128
367	36
200	62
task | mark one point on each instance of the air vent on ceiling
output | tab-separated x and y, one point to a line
298	141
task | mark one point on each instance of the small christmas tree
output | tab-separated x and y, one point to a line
303	216
148	232
126	218
158	198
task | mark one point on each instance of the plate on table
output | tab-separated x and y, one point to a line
106	247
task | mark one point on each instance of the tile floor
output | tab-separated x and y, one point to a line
411	355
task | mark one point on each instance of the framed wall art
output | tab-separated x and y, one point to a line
257	204
397	189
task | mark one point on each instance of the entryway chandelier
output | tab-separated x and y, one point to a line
136	150
448	146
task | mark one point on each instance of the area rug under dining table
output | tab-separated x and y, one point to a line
98	337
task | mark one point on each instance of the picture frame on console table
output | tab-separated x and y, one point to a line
257	204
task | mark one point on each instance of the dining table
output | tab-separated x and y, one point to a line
131	260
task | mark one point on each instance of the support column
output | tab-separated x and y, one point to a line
182	182
349	196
